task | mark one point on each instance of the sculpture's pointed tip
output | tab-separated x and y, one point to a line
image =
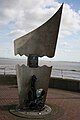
27	44
62	4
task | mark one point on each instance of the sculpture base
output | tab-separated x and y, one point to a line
48	113
32	114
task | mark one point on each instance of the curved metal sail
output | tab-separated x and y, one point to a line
42	41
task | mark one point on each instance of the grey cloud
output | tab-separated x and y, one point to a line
8	3
28	15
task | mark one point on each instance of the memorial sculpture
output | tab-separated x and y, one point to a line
32	79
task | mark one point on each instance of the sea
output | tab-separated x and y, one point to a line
60	69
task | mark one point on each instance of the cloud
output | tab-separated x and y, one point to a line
16	33
6	49
70	21
29	15
7	10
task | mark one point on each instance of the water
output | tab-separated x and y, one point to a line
7	66
70	70
63	69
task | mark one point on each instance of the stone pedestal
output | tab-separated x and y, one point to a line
24	76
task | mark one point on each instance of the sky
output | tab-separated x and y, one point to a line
18	17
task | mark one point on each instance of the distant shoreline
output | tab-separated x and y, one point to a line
60	69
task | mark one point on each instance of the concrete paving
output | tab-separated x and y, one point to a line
66	104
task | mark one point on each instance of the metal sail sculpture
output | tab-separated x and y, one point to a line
40	42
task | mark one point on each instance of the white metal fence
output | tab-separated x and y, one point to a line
61	73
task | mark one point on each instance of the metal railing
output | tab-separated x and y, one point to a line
62	73
5	70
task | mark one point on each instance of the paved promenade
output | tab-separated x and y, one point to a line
67	104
